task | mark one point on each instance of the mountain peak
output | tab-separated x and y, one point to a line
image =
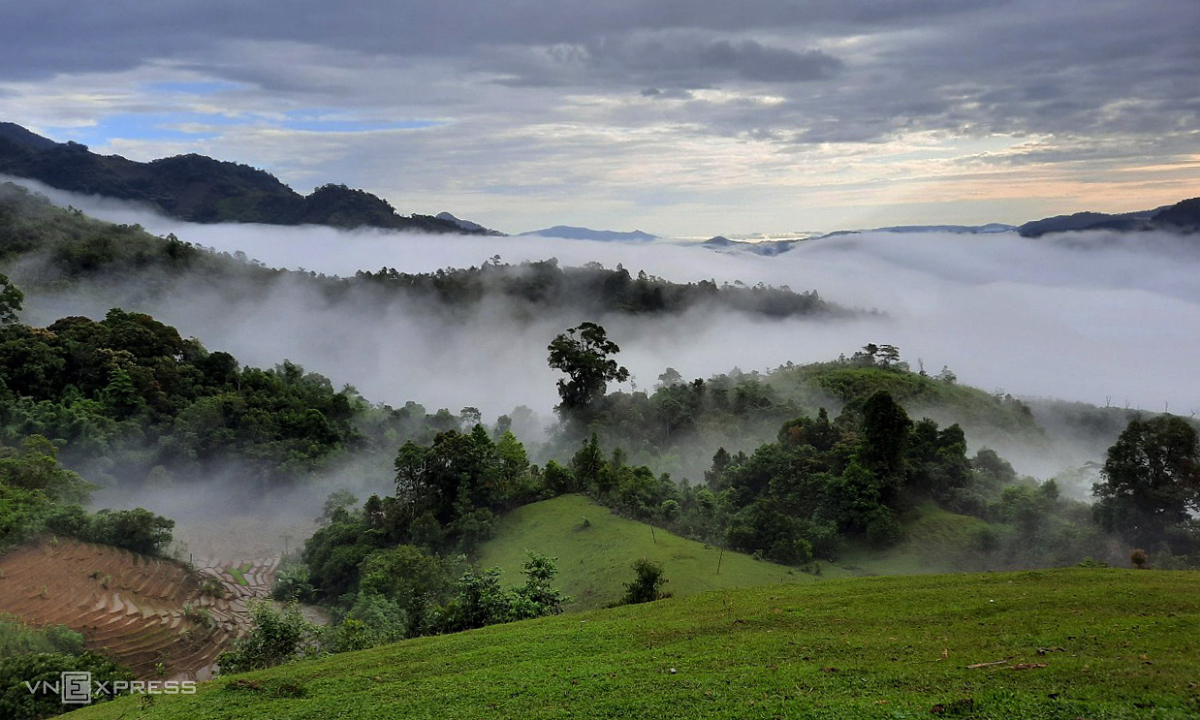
18	135
570	232
197	188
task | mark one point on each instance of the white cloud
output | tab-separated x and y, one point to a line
1086	317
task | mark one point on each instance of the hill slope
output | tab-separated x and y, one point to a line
595	557
1057	644
132	607
1182	217
198	188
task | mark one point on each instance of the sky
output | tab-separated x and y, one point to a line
684	118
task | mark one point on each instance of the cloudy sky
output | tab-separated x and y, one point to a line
678	117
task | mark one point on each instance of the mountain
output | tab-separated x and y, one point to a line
1182	217
1086	221
200	189
20	136
581	233
767	248
770	248
987	229
468	225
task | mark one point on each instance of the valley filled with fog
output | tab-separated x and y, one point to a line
1100	317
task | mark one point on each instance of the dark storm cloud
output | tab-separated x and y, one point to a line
834	71
678	60
64	36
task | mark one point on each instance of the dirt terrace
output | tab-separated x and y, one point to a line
154	615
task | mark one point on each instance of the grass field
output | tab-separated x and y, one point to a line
1056	644
935	541
595	558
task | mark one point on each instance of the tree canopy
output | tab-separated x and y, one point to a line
1151	483
583	354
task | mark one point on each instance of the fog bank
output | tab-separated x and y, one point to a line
1101	317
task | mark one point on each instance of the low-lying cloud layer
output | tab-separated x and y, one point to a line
1096	317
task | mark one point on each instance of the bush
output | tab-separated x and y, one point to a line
479	600
197	615
277	636
647	583
137	530
17	638
291	584
536	598
17	703
374	620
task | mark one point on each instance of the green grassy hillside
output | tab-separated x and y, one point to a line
595	558
921	395
1009	646
935	541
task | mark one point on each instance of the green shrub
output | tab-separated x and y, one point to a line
17	638
291	584
17	703
647	583
137	530
276	637
373	620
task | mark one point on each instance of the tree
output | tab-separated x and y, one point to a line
647	583
18	703
885	429
1151	479
138	530
11	300
537	597
583	354
34	466
669	378
276	637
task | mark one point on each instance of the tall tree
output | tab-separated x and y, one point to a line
583	354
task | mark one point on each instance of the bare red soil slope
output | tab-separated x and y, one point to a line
152	614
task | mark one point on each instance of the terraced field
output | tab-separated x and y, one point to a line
151	614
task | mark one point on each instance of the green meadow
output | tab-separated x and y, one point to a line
1052	644
595	551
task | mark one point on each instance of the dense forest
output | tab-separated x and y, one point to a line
46	247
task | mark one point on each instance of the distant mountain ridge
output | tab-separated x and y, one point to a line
581	233
986	229
200	189
469	226
771	248
1183	216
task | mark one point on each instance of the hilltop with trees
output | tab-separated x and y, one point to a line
200	189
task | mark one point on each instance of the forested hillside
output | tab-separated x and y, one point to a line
200	189
43	246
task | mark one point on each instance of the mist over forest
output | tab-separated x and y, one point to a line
1098	317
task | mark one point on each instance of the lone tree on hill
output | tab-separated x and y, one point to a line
583	354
